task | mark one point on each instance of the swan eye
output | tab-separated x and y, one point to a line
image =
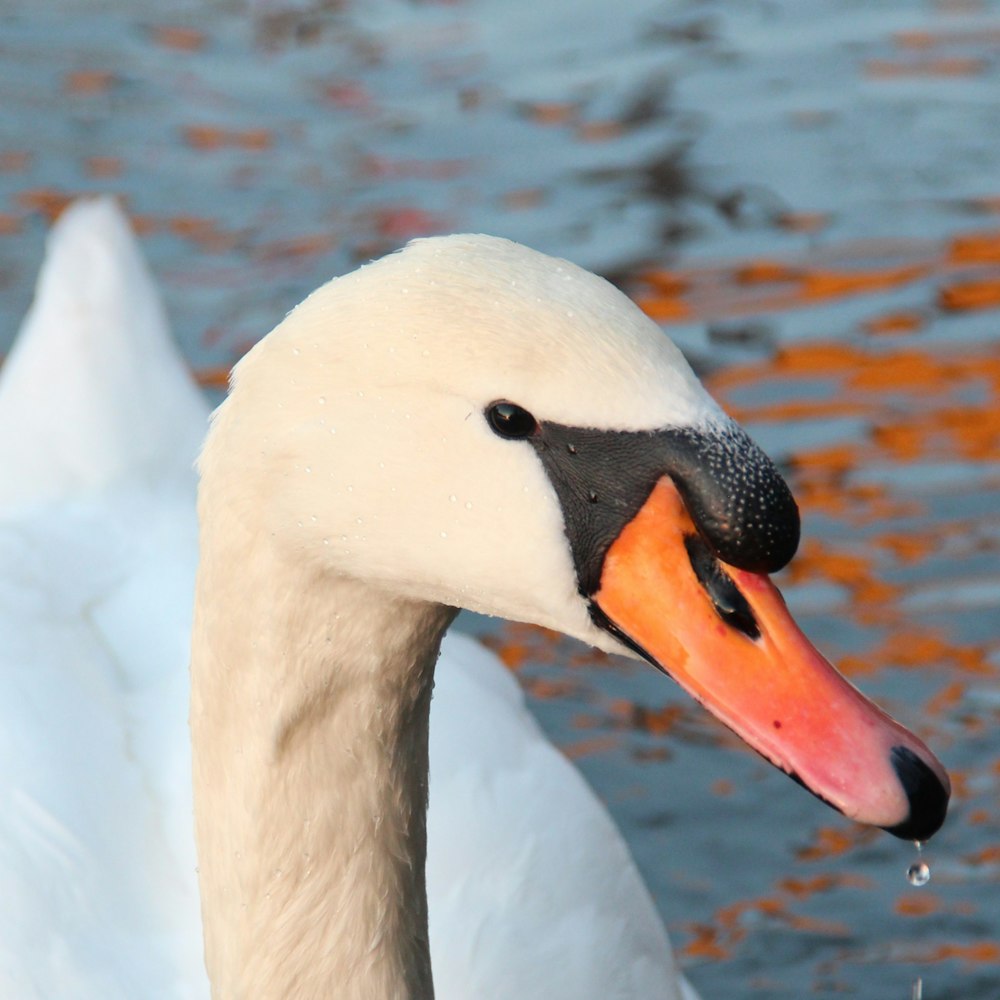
510	420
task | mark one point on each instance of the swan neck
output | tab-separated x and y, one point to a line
310	708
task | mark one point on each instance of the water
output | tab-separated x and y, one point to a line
918	874
804	193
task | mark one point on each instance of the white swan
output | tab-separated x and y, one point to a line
98	547
310	766
99	427
468	423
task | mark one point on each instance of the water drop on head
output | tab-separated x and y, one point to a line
919	873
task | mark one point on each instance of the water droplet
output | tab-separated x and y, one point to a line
322	400
919	873
453	498
308	468
295	351
468	505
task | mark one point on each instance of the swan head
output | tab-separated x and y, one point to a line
471	423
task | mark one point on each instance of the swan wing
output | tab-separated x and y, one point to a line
98	429
532	890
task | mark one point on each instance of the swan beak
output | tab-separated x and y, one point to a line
726	636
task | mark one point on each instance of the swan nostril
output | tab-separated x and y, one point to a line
927	794
730	605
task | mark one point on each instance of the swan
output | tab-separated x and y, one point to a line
316	671
98	549
99	426
468	423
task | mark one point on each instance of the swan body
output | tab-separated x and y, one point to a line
531	889
97	553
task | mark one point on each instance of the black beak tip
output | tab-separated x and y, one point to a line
928	796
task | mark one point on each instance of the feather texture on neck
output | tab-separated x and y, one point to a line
310	703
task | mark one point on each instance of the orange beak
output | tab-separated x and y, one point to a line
726	636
